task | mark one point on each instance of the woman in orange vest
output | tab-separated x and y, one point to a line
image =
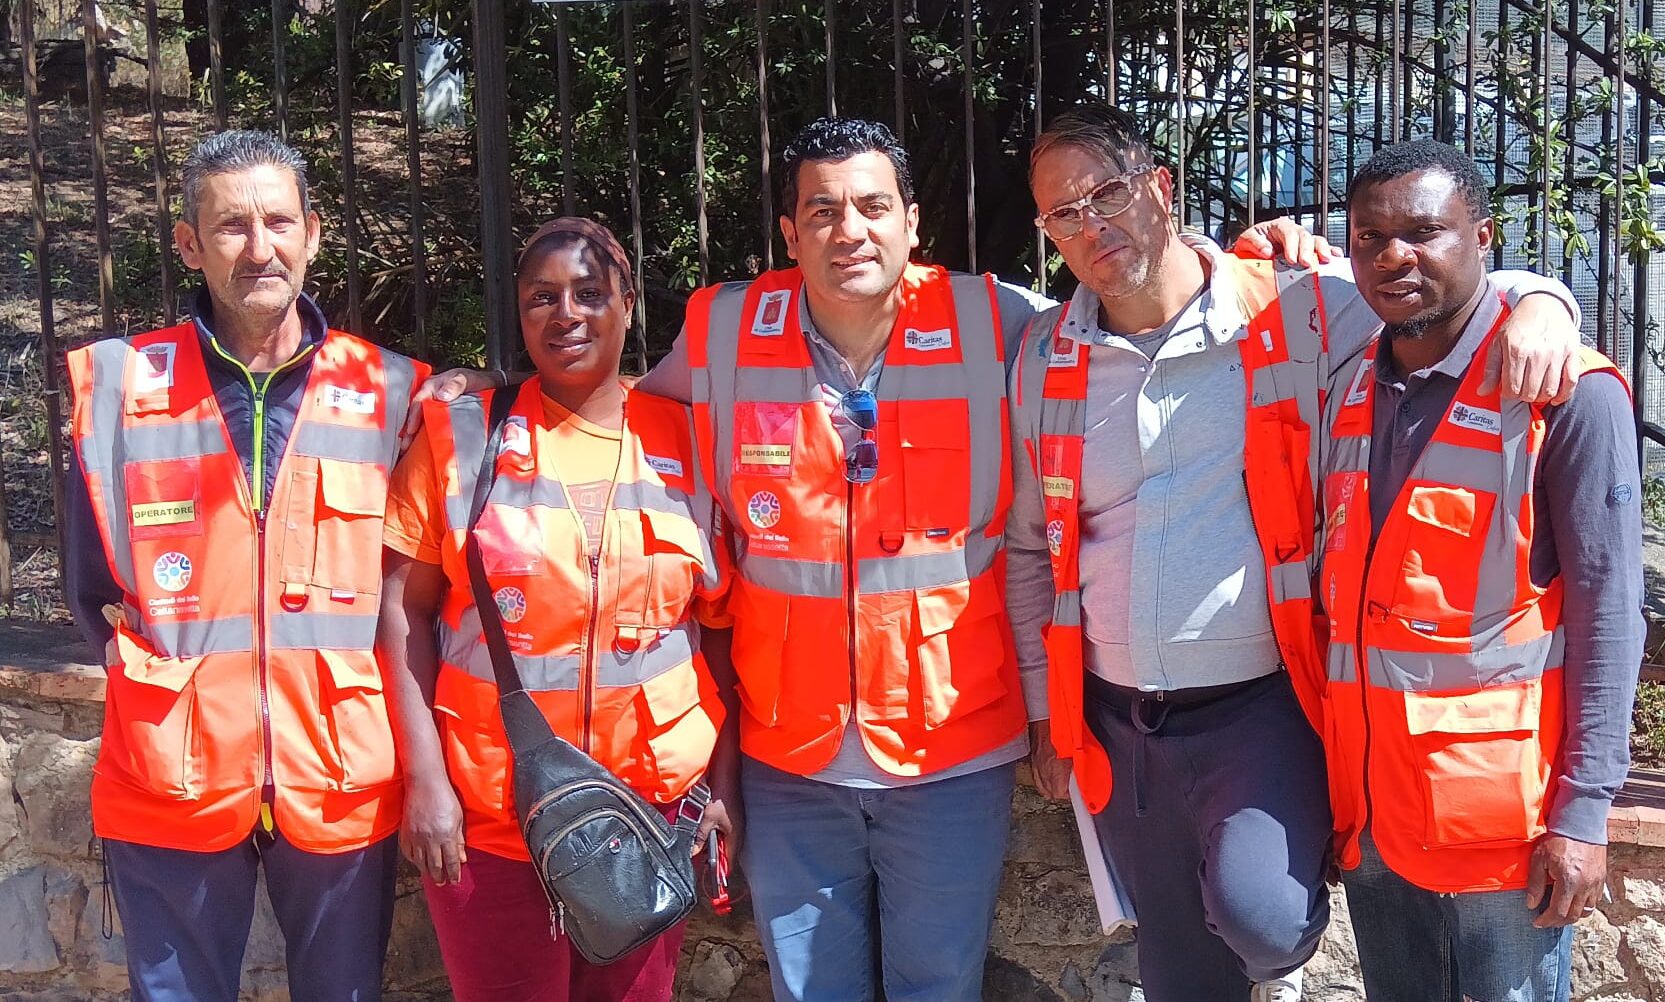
596	543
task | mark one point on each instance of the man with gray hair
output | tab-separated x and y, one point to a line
225	534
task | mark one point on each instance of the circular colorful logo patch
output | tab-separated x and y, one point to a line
511	604
1055	536
172	571
763	509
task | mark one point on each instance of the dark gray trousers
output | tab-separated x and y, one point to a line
1219	829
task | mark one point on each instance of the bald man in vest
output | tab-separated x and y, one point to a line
225	538
1482	576
1162	537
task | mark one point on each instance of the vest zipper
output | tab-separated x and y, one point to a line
257	505
586	681
850	582
1362	667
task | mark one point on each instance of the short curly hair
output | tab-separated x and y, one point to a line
1400	159
833	139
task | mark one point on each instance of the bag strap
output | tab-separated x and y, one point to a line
524	729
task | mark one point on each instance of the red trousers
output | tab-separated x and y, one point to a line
494	935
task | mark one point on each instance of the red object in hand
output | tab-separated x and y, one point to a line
717	862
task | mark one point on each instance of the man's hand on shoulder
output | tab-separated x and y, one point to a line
1536	355
1299	246
445	387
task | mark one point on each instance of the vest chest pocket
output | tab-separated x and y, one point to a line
1480	763
936	482
673	556
164	498
331	520
1444	530
152	725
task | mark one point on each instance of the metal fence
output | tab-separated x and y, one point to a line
1546	95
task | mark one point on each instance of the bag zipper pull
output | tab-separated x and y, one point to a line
557	921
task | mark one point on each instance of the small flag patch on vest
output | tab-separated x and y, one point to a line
766	455
770	318
666	466
342	399
155	368
1477	419
1058	487
164	513
919	340
1063	353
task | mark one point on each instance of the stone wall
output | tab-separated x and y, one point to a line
1046	947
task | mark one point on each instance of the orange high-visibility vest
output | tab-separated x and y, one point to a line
1286	334
606	648
1445	695
884	599
246	680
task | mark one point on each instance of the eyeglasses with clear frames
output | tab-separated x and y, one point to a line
1109	199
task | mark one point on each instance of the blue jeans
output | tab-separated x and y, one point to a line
185	917
848	885
1421	946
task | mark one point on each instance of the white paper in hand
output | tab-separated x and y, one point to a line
1114	909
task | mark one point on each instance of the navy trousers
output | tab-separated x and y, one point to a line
185	917
1219	829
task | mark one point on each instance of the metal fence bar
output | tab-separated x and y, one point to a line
631	118
1179	104
1110	51
349	166
1472	76
1615	39
1254	125
766	189
1040	235
897	59
413	170
1396	107
968	51
491	105
159	161
1544	87
49	349
1639	274
1605	340
101	191
1500	122
563	75
832	82
1324	126
216	61
280	69
697	62
1570	131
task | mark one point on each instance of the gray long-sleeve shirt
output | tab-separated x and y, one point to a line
1586	497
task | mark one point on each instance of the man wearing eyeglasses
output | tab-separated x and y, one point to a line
1161	540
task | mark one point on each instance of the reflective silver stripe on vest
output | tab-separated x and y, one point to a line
333	441
1289	581
560	672
467	417
517	492
1420	671
702	507
173	440
312	630
811	578
983	386
771	385
398	380
197	637
1343	663
927	570
1066	608
101	453
1307	371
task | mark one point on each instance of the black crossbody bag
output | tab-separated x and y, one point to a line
616	872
